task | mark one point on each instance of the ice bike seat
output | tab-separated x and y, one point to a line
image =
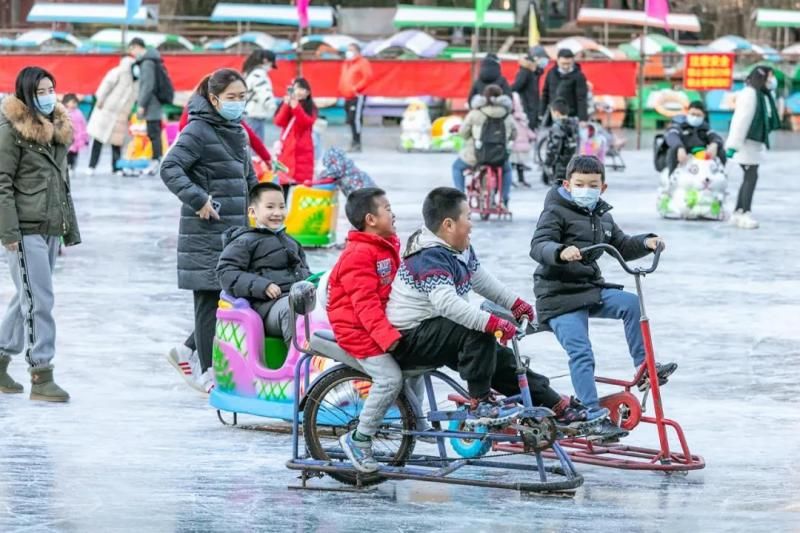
324	343
501	312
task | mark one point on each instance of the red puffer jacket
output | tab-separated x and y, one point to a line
297	152
358	291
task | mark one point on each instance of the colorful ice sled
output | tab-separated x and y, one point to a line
313	213
695	190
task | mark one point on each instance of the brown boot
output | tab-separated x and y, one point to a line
7	383
44	388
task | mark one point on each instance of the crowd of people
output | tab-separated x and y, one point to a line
412	310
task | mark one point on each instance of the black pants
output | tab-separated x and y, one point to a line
72	160
745	198
154	134
672	157
205	322
94	157
355	116
475	355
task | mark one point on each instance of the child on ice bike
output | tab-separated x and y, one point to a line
358	289
263	262
438	327
570	288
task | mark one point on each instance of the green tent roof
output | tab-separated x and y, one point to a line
438	17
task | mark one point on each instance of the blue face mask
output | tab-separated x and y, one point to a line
585	197
231	110
694	121
45	104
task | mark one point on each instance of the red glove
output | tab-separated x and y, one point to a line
522	308
506	329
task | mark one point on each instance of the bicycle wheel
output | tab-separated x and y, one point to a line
541	151
332	409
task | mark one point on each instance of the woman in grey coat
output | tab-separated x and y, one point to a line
209	170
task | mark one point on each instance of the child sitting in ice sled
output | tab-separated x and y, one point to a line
340	169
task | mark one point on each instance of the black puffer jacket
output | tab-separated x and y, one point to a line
571	86
564	287
254	258
210	158
526	84
489	74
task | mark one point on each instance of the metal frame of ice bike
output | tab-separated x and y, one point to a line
441	467
626	409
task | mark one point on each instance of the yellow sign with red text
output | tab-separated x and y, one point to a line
708	71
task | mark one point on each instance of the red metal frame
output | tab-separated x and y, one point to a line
633	457
480	199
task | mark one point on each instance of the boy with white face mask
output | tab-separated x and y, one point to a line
690	132
570	288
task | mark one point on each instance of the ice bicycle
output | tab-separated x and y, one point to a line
332	402
626	409
485	192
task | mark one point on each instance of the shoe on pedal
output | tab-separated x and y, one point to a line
359	453
572	417
488	412
606	432
663	370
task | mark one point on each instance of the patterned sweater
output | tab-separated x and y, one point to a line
434	280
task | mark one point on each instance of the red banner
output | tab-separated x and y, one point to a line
707	71
446	79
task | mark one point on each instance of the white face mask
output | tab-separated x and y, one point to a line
772	83
350	54
694	121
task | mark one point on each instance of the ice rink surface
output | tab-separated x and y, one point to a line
137	450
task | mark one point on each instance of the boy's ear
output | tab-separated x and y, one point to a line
603	188
251	210
369	220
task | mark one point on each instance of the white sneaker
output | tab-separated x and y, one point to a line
206	381
119	173
747	222
735	216
152	170
186	362
88	172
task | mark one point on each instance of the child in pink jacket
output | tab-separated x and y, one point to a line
80	136
524	143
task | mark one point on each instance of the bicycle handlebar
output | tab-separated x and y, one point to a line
618	256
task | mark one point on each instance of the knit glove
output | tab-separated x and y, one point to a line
506	329
522	308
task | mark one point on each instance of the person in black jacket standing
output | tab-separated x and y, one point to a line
568	82
526	84
209	169
489	74
691	131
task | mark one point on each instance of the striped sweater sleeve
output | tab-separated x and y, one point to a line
450	305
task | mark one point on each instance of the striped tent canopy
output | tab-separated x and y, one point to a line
111	39
408	16
654	44
408	42
734	44
336	42
581	46
279	15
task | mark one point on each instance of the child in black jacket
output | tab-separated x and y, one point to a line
570	288
263	262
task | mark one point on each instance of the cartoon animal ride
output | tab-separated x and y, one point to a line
696	190
415	127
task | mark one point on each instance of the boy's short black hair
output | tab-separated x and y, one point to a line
560	105
70	97
137	41
259	188
441	203
698	104
360	203
586	164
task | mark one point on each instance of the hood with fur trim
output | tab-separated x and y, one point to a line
33	127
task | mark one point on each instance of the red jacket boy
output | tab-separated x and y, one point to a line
358	290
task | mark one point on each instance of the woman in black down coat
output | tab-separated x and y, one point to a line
209	169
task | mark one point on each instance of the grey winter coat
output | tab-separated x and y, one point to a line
254	258
481	109
562	287
148	84
210	158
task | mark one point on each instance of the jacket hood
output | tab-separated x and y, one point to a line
424	238
495	107
231	234
561	196
152	53
489	71
201	109
33	127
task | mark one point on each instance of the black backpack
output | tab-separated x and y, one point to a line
164	91
491	150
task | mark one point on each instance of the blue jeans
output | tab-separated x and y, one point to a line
572	331
258	125
459	166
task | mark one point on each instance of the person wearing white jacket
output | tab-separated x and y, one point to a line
109	121
260	98
754	117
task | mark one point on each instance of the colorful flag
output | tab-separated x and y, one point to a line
302	12
480	10
657	9
533	27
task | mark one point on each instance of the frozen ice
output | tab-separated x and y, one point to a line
137	450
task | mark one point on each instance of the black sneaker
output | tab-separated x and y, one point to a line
664	371
487	412
355	148
576	418
606	432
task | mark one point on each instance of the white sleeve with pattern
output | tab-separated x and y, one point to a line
449	304
490	288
